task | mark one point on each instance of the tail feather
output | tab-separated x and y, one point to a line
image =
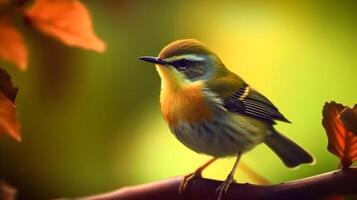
289	152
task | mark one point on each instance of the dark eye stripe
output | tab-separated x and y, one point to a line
183	63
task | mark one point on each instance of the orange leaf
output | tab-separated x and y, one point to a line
67	20
7	192
341	141
12	46
6	86
349	119
8	115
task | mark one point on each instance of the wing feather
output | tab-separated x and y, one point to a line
238	97
249	101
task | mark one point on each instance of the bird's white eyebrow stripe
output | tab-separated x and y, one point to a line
192	57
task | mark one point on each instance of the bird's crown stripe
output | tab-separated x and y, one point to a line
191	57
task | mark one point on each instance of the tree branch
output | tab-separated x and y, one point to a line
340	182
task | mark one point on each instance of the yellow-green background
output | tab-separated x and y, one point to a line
91	122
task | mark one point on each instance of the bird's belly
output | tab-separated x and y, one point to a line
222	135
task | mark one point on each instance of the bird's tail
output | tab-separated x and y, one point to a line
290	153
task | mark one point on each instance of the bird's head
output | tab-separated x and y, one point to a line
185	62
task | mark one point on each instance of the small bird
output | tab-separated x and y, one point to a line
213	111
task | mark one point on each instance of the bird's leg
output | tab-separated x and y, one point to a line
197	173
223	188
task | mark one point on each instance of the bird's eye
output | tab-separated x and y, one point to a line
181	64
181	67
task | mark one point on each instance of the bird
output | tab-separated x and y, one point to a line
213	111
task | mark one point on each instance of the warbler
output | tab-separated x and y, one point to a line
213	111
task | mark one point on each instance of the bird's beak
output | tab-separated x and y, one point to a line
152	59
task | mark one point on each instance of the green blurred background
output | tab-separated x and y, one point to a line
91	122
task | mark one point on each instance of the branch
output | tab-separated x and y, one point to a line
340	182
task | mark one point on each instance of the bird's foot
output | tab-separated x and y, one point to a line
187	179
223	188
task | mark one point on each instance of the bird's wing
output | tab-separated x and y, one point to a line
238	97
249	101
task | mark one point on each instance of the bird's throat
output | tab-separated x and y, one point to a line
171	79
182	101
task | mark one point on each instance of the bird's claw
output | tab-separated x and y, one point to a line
223	188
187	179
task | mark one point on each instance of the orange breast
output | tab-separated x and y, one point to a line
185	104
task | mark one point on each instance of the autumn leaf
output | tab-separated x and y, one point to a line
12	47
349	118
67	20
341	141
6	86
7	192
8	114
